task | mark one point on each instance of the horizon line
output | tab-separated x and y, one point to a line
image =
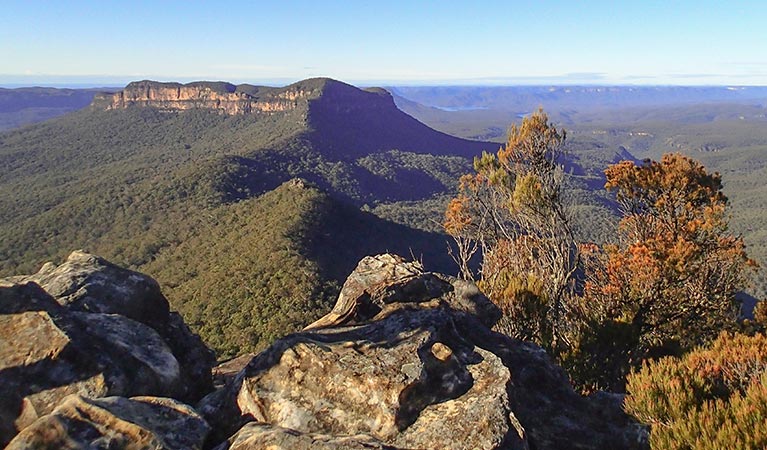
568	79
83	84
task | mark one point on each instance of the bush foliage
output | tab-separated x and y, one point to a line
711	398
665	286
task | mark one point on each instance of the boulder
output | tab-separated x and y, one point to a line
85	336
87	283
115	422
406	359
388	282
48	352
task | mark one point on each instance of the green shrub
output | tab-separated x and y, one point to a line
712	398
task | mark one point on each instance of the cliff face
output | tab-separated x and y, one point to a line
222	97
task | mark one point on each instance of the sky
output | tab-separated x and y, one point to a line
385	42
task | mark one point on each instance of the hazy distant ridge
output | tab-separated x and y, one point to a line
525	98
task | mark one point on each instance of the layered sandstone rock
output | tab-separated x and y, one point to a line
224	98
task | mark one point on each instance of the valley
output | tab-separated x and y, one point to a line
192	184
185	192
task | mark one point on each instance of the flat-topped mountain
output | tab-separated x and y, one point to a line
335	117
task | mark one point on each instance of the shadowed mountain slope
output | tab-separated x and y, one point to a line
270	265
69	182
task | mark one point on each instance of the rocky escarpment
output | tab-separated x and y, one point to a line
224	98
406	359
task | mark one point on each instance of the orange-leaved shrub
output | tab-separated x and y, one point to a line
712	398
670	282
512	211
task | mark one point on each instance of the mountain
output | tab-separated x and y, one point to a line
145	160
24	106
169	178
340	119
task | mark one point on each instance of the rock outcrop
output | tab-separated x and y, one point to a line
406	360
115	422
87	327
87	283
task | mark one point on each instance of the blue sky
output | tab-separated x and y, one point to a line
386	42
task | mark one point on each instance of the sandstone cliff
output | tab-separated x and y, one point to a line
225	98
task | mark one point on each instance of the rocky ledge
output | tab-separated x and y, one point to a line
406	359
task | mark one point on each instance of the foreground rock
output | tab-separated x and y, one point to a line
406	360
88	283
115	423
254	436
95	336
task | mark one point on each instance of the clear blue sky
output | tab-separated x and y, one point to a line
386	42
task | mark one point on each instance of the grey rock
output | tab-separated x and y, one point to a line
55	343
88	283
50	353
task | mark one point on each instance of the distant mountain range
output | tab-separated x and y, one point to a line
24	106
523	99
